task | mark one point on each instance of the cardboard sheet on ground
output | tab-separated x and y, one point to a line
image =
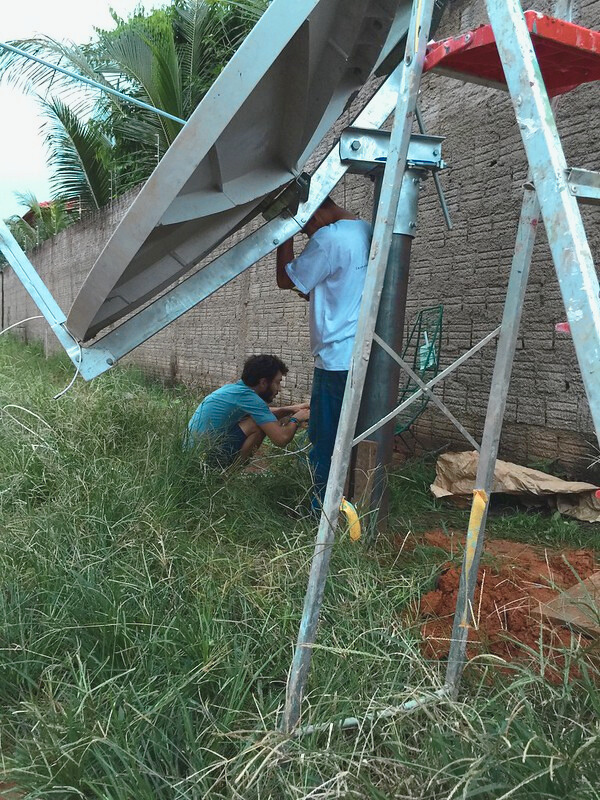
578	607
455	479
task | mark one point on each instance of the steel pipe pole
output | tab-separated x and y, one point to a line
383	372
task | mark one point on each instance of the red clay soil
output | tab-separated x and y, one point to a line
510	587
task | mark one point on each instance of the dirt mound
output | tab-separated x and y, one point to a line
512	583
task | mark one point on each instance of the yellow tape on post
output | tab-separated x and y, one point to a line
353	520
480	501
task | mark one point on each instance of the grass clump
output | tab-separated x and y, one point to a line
150	608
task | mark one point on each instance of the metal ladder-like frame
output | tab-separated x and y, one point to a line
577	278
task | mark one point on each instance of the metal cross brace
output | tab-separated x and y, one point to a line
427	386
424	388
39	292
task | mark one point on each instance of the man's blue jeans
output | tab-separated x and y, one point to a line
325	407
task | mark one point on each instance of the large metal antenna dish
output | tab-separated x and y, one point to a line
250	136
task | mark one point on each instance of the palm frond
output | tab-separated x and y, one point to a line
29	199
26	235
77	152
47	219
199	30
148	60
139	145
248	14
208	33
29	75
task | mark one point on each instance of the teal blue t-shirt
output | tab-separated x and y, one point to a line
220	411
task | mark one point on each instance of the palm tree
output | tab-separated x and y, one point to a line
40	221
168	58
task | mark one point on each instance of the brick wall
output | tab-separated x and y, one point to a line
466	269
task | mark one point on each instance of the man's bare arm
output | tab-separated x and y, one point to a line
285	254
281	435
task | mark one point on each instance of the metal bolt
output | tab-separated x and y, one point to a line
412	225
468	37
408	60
436	152
110	361
355	145
574	189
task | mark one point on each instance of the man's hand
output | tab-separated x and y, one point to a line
303	414
286	411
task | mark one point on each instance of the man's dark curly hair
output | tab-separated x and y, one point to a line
263	366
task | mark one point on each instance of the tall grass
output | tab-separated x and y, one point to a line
150	607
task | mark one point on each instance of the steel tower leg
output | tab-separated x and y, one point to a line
574	267
484	480
420	25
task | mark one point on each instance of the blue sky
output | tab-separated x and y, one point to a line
23	158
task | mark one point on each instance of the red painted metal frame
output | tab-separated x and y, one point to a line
568	54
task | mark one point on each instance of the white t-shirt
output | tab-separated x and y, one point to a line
332	269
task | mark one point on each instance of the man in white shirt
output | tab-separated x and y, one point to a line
331	272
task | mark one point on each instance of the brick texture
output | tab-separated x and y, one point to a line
466	269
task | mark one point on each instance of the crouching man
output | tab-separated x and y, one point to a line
233	421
